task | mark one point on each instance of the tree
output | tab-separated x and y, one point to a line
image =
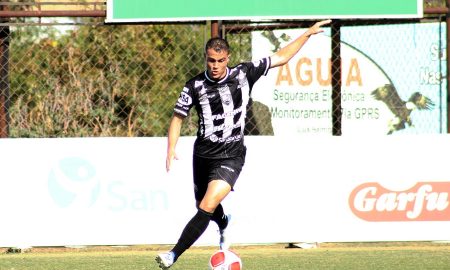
101	81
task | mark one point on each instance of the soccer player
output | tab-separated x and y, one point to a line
220	96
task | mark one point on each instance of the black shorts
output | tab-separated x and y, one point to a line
206	170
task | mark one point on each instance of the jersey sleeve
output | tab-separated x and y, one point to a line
258	68
184	102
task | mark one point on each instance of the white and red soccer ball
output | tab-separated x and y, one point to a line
225	260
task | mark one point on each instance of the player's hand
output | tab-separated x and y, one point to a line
171	155
316	28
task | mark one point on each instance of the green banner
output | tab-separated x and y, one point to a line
195	10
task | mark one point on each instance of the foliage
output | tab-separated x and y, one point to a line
100	81
434	3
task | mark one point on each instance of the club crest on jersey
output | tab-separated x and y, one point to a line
225	95
226	99
185	99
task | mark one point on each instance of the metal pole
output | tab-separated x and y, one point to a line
53	13
447	19
336	108
4	79
215	29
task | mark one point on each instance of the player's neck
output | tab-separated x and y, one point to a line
219	78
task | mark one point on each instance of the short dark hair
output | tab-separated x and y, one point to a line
217	44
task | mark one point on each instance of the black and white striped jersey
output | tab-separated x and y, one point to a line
221	107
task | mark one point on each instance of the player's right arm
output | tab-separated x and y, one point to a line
172	139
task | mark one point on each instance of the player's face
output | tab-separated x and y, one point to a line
216	63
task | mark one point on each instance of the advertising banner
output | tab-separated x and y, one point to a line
393	81
115	191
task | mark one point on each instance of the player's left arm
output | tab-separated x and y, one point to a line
285	54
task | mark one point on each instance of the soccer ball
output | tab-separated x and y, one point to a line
225	260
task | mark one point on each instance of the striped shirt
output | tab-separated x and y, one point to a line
221	107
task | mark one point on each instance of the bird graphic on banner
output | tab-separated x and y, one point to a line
400	108
274	40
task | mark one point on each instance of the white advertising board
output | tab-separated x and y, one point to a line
115	191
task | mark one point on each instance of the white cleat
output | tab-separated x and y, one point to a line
223	242
165	260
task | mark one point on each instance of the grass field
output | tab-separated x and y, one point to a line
386	256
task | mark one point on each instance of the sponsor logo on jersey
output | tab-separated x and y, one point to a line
226	127
227	168
236	138
227	114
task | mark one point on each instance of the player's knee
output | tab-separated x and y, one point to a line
206	206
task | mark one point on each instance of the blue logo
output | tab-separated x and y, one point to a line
72	183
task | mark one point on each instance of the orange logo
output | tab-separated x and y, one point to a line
426	201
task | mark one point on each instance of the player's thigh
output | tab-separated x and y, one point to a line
206	170
217	191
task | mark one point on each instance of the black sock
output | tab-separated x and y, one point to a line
219	217
193	230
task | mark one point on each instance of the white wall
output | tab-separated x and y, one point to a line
115	191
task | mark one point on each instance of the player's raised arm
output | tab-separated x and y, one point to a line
285	54
172	139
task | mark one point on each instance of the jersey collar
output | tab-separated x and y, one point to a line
222	80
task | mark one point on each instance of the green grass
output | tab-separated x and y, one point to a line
386	256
